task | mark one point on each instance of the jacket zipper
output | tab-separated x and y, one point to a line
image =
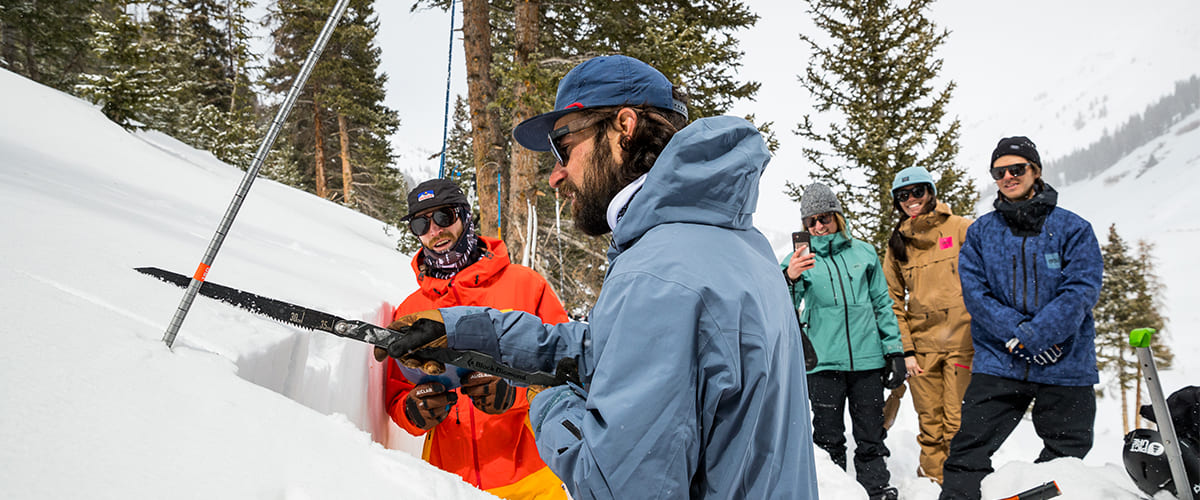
475	451
1024	278
846	309
1014	281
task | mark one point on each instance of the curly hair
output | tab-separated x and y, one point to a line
655	128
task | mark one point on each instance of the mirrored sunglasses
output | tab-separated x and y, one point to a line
917	191
443	217
825	219
1016	169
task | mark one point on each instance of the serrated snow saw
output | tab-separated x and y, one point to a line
312	319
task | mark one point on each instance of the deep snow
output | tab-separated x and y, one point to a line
93	405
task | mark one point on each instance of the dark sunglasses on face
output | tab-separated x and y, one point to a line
443	217
1016	169
825	219
557	135
917	191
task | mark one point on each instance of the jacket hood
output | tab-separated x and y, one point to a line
707	174
917	230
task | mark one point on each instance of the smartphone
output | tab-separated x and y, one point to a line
800	242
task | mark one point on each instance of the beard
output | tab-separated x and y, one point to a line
601	183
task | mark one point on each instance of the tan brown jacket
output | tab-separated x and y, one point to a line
926	292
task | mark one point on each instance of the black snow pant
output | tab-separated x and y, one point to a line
828	391
1063	417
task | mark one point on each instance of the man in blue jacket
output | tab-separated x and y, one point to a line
692	372
1031	273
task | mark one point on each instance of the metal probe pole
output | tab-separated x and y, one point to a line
215	245
1140	340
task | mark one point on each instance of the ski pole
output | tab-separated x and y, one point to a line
1140	340
219	237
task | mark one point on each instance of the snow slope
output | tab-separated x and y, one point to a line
93	405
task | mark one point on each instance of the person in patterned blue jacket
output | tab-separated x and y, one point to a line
1030	273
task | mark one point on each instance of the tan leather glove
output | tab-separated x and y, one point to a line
428	404
422	330
491	394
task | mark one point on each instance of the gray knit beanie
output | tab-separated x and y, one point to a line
818	199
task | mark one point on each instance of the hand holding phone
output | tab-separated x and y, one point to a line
800	242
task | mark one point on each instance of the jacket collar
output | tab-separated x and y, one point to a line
917	230
491	263
1025	217
829	244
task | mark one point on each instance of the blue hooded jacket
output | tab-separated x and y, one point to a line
1037	285
692	369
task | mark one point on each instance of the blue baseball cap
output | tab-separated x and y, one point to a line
913	175
600	81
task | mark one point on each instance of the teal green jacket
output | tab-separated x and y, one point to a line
846	305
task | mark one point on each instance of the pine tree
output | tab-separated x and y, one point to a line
47	41
1128	300
131	82
216	109
339	129
690	42
873	78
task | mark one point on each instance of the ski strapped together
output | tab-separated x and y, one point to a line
1140	340
312	319
234	206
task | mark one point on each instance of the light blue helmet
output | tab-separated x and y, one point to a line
913	175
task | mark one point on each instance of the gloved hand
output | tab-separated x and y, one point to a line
428	404
489	393
422	330
894	370
1049	356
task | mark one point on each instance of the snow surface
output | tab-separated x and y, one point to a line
93	404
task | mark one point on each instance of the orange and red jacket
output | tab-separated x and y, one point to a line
488	451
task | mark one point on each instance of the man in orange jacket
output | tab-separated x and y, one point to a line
485	436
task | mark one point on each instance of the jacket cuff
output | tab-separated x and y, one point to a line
790	281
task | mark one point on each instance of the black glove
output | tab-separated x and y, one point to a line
428	404
489	393
419	330
894	371
1049	356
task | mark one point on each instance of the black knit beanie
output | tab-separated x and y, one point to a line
1017	145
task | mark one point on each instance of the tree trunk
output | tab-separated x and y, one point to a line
522	184
319	168
344	139
1124	403
487	140
1137	400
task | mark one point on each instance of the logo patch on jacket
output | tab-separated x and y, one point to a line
1053	261
946	242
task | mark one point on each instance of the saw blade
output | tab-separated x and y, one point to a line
278	310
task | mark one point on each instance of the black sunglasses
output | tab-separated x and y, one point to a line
917	191
443	217
825	219
1016	169
560	133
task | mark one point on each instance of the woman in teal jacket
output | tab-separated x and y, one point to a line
855	334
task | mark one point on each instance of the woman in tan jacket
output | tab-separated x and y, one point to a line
921	267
